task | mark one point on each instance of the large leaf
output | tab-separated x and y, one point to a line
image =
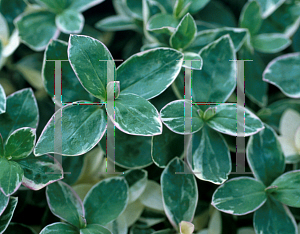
106	200
21	111
239	196
8	213
269	6
217	79
178	189
150	72
210	156
162	23
71	88
225	121
286	188
88	58
251	17
264	155
136	116
137	181
70	21
94	229
82	5
11	175
65	203
115	23
173	116
288	82
2	100
20	143
165	147
204	37
36	29
184	33
59	228
79	133
273	217
3	202
40	171
270	42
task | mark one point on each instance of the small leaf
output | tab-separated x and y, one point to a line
59	228
78	132
210	156
251	17
152	196
150	72
225	121
88	58
135	8
40	171
178	189
271	42
287	188
21	111
186	227
136	116
276	74
65	203
2	100
162	23
185	33
56	6
20	143
36	29
116	23
70	21
239	196
3	202
11	175
8	213
173	116
83	5
95	229
265	156
273	217
106	200
269	6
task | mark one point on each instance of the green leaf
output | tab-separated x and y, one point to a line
59	228
269	6
56	6
65	203
136	116
136	230
88	57
20	143
3	202
106	200
198	5
137	181
204	37
2	100
115	23
136	8
1	147
239	196
270	42
72	90
217	79
225	121
184	33
40	171
164	231
178	189
211	159
286	188
173	116
251	17
273	217
8	213
118	226
11	175
181	7
165	147
70	21
16	228
162	23
78	132
150	72
36	29
136	148
94	229
73	165
196	61
264	155
21	111
276	74
82	5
